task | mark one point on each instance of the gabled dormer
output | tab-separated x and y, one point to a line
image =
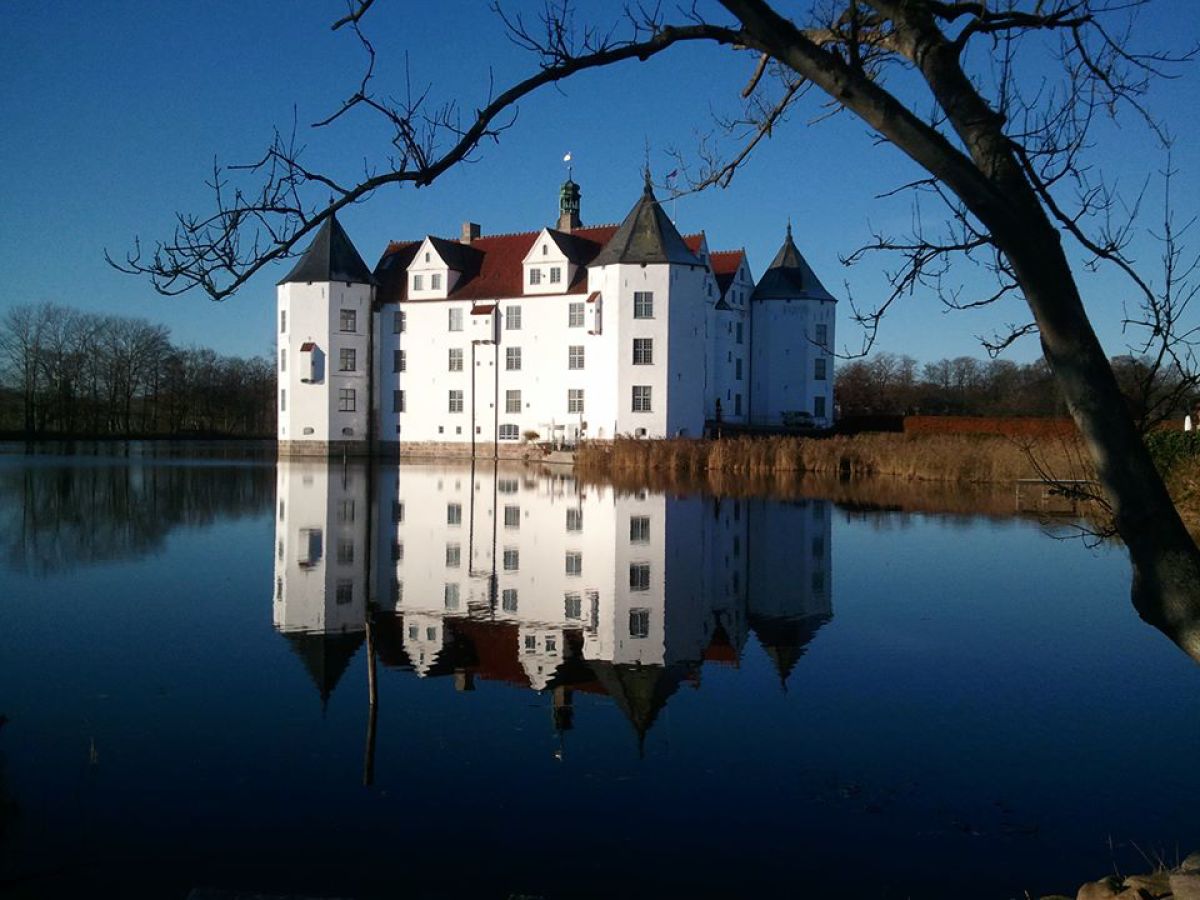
735	284
548	268
437	268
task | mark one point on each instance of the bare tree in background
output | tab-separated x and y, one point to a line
942	81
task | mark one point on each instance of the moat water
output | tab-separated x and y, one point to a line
438	681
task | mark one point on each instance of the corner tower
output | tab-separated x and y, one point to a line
792	320
325	361
653	289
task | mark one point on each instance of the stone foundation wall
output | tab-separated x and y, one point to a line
323	449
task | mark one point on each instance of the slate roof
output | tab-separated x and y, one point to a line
325	655
789	277
646	236
330	257
785	639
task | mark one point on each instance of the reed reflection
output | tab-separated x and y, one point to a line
540	582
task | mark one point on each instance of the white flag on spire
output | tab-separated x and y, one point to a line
567	158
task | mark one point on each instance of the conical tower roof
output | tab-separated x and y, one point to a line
789	277
330	257
786	639
646	236
640	692
325	655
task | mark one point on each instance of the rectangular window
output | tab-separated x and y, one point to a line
535	276
283	321
399	360
348	320
641	398
737	369
737	404
345	592
456	359
508	600
453	513
398	401
398	322
643	351
575	400
575	315
453	556
346	400
512	517
639	529
555	275
512	560
508	485
345	552
512	359
454	319
574	520
573	605
283	400
819	407
639	576
347	359
345	513
418	282
435	281
820	369
530	643
397	511
509	432
739	332
456	401
822	336
639	623
451	596
512	401
283	360
643	304
512	318
575	356
574	562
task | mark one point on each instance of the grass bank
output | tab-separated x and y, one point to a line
963	458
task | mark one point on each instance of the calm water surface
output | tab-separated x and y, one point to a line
579	692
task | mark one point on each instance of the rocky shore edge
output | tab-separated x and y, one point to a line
1182	883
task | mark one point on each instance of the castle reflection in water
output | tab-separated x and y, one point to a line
541	582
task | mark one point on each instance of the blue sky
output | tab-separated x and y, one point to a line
113	113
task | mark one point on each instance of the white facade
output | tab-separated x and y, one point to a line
590	333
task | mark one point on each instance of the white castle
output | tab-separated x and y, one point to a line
561	334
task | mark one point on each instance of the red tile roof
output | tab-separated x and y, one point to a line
494	263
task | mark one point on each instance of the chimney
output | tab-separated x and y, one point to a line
470	232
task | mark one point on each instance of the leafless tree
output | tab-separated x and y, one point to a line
1007	182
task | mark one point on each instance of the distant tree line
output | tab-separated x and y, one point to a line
892	384
68	372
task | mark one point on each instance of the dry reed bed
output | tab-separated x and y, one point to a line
926	457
